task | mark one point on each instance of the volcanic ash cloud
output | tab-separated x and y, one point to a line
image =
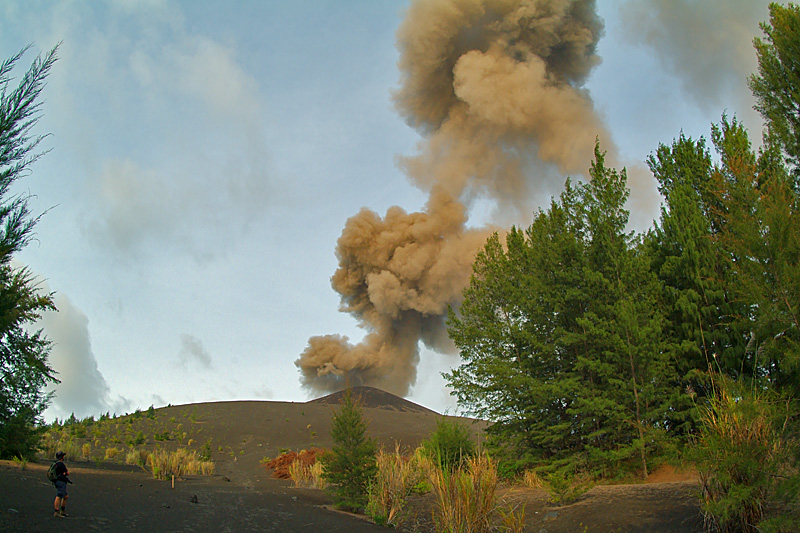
494	86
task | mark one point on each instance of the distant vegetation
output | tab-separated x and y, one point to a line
163	447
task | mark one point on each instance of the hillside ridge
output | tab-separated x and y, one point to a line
374	398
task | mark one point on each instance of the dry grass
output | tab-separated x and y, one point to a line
532	480
137	457
178	463
397	476
307	475
465	498
513	519
111	453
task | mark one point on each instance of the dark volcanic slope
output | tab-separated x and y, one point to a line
373	398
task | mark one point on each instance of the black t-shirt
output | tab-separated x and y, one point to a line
61	471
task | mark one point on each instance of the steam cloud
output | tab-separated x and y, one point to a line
495	88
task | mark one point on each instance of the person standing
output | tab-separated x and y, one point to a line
61	481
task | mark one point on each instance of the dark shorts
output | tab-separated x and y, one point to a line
61	488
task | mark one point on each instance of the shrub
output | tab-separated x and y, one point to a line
350	464
565	486
21	461
747	461
111	453
205	451
449	444
86	451
138	440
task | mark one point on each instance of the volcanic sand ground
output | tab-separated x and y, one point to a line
243	496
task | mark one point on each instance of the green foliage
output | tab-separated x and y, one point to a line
20	434
748	457
205	451
777	84
760	214
139	439
24	370
350	464
560	335
565	486
450	444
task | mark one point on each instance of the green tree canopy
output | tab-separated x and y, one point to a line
24	370
777	84
559	334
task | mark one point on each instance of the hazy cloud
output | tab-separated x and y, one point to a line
192	351
707	44
83	389
167	94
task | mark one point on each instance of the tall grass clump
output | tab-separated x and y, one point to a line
747	458
450	444
178	463
397	476
137	457
465	497
307	475
111	453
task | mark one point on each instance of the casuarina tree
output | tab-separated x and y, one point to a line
24	369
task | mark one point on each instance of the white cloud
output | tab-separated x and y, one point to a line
83	389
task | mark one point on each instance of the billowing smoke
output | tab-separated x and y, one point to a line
494	86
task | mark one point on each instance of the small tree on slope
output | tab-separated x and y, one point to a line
350	465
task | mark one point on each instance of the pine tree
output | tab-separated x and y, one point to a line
776	86
350	464
559	335
702	331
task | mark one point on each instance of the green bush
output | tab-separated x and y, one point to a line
350	465
449	445
747	457
19	435
565	486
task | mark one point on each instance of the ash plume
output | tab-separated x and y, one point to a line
494	86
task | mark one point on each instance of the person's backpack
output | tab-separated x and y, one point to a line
51	473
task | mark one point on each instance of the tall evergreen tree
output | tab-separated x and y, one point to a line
777	84
760	210
558	334
702	330
24	370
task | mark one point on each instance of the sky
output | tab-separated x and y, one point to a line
221	177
